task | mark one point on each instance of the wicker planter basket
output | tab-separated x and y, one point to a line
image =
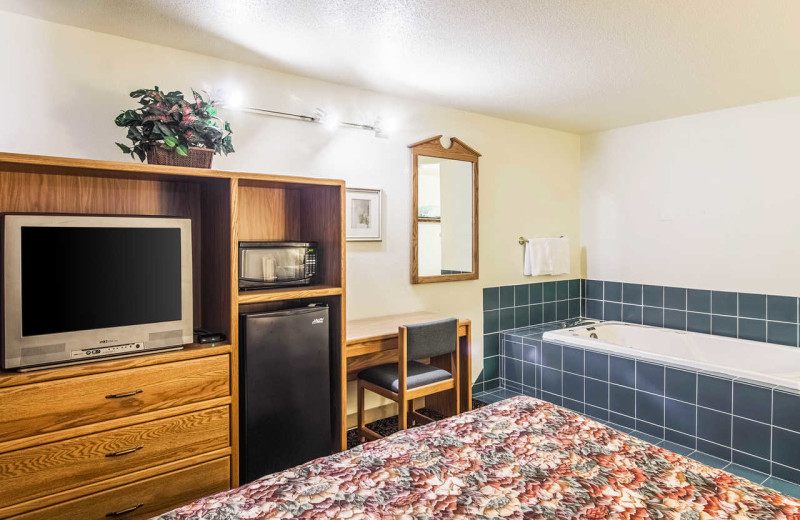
197	157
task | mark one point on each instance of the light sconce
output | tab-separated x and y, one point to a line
326	119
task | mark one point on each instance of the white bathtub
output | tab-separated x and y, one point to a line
758	362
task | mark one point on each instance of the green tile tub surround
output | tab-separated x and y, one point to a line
755	317
753	427
511	307
491	298
727	421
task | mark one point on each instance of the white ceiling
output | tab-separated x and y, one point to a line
576	65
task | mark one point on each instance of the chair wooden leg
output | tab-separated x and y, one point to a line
402	414
361	419
454	370
457	398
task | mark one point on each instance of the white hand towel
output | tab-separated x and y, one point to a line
546	256
536	257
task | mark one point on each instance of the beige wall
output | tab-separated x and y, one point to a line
706	201
65	86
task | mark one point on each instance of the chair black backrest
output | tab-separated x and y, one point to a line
431	339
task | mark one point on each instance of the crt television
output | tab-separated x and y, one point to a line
83	288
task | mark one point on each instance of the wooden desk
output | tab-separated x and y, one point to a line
373	341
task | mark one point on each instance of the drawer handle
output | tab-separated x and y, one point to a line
124	452
126	394
124	511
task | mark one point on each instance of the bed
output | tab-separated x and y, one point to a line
518	458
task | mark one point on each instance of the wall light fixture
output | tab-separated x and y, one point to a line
328	119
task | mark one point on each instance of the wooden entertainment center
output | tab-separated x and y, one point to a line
134	437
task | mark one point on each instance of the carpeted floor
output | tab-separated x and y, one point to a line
388	425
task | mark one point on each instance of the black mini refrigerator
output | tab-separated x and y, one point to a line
284	390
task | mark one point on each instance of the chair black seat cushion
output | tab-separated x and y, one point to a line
419	374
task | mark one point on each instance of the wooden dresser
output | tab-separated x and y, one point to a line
132	438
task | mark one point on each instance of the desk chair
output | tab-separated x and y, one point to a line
408	379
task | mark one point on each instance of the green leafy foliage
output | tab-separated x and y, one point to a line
174	123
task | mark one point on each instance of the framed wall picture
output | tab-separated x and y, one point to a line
363	214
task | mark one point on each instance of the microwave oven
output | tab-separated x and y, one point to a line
264	265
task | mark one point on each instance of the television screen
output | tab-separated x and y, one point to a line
82	278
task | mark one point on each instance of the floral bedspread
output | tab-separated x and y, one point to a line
519	458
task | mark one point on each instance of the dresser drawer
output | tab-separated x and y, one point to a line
143	499
57	405
58	466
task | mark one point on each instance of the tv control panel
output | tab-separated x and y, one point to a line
128	348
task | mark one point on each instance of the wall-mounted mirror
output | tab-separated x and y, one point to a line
444	226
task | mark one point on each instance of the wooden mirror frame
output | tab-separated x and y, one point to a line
460	152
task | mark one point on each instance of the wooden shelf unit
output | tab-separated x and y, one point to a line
224	207
288	293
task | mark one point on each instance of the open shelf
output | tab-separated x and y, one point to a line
205	201
288	293
291	212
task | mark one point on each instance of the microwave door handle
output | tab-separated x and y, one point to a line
245	279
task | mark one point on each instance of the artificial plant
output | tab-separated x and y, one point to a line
168	120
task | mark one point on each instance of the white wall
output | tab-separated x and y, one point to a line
705	201
63	86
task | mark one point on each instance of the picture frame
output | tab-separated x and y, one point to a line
363	214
